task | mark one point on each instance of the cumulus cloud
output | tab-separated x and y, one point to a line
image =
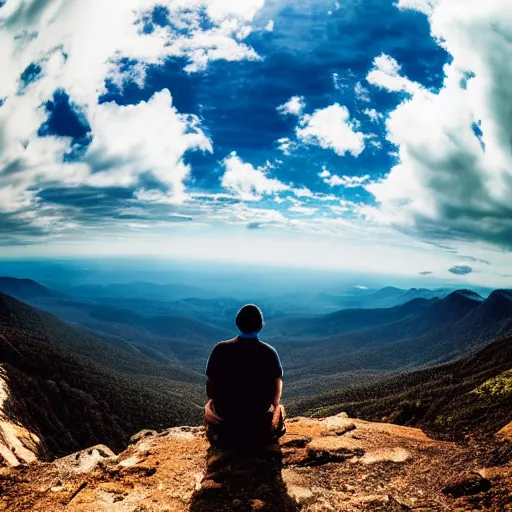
74	47
386	75
247	182
332	128
453	179
294	106
147	137
32	30
333	180
460	270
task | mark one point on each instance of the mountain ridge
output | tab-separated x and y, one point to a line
439	399
62	394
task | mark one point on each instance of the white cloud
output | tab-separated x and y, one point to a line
451	183
331	128
247	182
242	213
77	45
425	6
386	74
270	26
32	31
147	137
343	207
128	140
294	106
287	146
337	82
302	210
333	180
373	115
362	93
303	192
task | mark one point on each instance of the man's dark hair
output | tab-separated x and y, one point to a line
249	319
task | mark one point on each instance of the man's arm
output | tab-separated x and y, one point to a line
209	388
278	392
212	369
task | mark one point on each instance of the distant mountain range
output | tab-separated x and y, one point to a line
422	332
387	297
130	363
141	290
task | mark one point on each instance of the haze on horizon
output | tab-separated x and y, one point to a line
308	134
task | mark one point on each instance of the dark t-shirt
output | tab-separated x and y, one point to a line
243	373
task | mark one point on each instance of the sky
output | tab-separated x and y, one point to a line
368	136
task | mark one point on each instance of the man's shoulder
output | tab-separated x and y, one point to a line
225	343
268	348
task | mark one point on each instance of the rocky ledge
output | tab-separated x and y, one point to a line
332	464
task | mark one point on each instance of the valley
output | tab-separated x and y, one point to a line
358	359
83	372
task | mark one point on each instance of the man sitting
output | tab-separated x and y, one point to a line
244	385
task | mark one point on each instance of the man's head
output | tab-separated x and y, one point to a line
249	319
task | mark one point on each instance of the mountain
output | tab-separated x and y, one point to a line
140	290
24	289
346	320
177	327
80	394
387	297
70	388
169	336
470	394
336	463
420	314
319	354
445	329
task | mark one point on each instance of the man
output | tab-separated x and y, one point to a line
244	385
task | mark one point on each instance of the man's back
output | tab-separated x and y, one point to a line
243	373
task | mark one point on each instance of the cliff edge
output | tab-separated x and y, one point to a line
330	464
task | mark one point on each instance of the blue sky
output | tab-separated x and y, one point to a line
369	136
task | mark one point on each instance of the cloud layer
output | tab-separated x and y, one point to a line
453	179
135	115
47	51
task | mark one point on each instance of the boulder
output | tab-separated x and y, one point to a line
467	484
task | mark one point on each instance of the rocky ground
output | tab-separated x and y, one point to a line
332	464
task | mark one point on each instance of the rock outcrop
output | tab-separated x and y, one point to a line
331	464
17	444
505	432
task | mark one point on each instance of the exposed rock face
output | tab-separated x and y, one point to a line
17	444
506	432
334	464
